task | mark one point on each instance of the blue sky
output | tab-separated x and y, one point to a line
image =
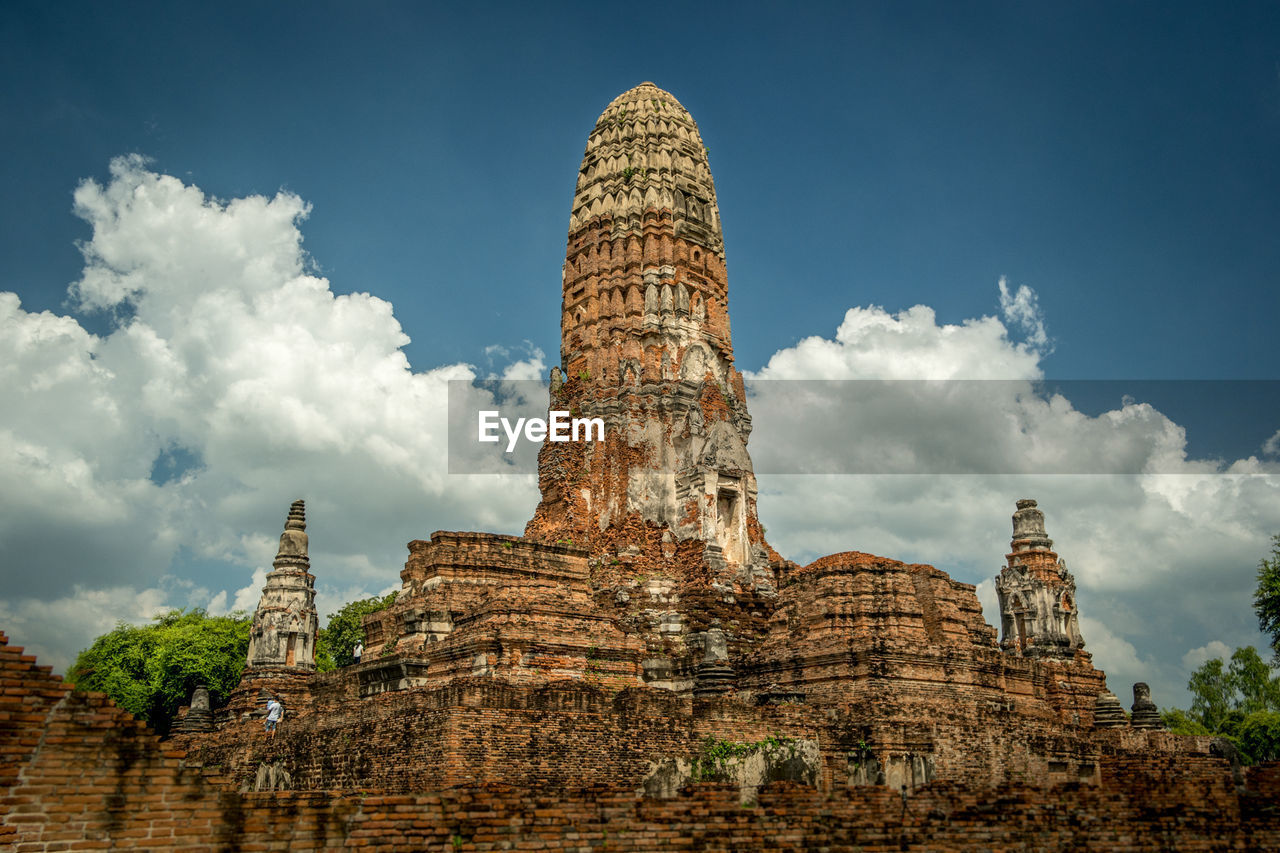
1118	160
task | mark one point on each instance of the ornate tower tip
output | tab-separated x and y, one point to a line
1037	594
285	624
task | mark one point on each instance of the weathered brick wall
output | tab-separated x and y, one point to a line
488	729
76	773
563	735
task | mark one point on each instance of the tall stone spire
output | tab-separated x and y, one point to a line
645	346
283	635
1037	594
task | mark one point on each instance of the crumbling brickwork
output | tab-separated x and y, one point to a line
475	604
76	773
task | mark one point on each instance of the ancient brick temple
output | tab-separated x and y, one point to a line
640	670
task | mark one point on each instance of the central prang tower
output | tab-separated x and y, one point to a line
645	346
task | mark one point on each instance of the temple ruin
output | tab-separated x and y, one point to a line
641	670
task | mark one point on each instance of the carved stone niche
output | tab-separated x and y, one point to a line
731	522
1037	594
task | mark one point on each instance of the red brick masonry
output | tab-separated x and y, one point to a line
77	773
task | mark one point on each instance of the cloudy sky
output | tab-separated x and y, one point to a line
244	247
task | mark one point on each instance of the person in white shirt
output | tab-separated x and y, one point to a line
275	713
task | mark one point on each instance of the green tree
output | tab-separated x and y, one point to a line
1266	598
1212	694
1181	723
337	641
1241	701
1250	677
1259	736
151	670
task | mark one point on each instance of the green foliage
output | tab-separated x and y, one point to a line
1222	696
1240	702
336	644
1258	736
1266	598
1250	676
1181	723
1211	693
151	670
717	755
594	667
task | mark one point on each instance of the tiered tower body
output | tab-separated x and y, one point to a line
285	625
645	345
1037	594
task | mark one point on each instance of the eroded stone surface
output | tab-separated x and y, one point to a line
643	611
199	715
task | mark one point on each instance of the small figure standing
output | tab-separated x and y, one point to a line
275	713
358	650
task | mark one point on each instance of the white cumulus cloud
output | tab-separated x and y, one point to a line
1198	657
229	354
1272	445
1163	546
1021	308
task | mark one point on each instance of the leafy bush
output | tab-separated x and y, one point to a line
151	670
1259	736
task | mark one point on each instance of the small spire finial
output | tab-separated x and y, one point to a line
297	519
293	542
